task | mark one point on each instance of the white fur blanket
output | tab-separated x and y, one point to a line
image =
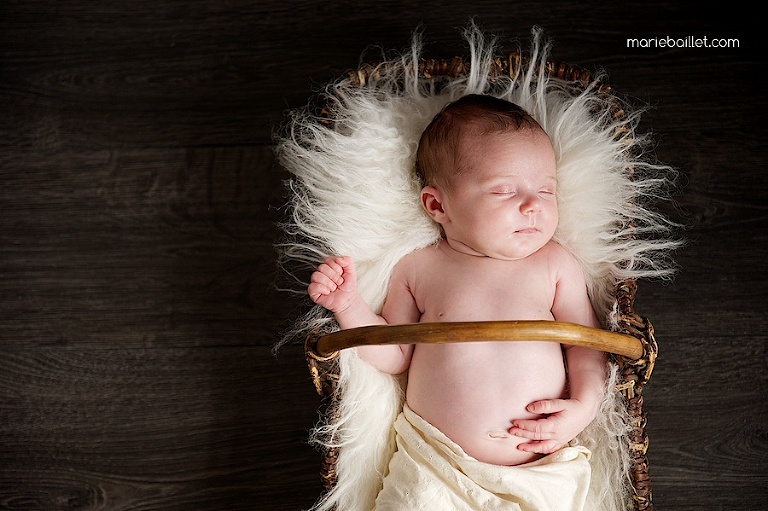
354	192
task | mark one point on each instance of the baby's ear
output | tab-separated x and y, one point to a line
432	202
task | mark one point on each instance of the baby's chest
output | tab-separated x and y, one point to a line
477	295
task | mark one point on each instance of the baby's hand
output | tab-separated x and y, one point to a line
563	420
334	284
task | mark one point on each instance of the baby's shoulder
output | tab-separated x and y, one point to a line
558	255
420	255
421	258
555	249
416	260
561	260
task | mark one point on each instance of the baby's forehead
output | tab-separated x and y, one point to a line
478	128
474	150
473	138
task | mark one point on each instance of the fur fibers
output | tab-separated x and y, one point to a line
354	192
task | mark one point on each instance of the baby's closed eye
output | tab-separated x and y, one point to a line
504	190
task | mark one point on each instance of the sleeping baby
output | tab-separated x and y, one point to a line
504	413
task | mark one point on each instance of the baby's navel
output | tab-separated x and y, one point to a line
498	434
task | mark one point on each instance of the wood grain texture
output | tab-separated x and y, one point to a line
707	422
161	428
138	203
104	244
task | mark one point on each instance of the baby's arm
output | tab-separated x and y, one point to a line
566	418
334	286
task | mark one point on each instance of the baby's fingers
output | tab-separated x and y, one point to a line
322	283
543	447
316	291
325	279
332	264
532	429
547	406
328	274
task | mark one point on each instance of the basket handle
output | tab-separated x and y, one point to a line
553	331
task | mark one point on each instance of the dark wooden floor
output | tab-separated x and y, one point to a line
138	197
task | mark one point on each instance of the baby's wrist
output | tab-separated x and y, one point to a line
348	306
355	314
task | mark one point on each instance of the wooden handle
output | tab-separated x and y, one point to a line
554	331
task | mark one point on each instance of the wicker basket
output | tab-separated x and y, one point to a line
633	345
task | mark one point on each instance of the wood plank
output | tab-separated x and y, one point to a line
141	247
202	73
709	297
157	429
707	423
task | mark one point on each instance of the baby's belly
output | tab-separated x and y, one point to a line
473	391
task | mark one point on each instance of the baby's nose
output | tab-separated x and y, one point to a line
531	204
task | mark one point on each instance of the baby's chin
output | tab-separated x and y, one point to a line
515	253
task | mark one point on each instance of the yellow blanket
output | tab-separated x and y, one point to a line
429	472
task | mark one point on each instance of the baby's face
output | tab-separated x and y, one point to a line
503	203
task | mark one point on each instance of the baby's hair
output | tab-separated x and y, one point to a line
441	143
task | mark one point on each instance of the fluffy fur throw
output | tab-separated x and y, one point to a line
354	192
